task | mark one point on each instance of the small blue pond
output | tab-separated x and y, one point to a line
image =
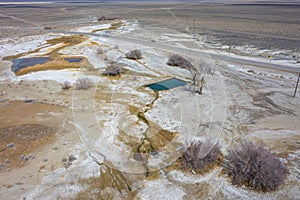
167	84
73	60
20	63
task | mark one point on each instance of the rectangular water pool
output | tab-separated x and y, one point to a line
20	63
167	84
72	60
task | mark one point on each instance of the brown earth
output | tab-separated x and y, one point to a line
18	142
24	132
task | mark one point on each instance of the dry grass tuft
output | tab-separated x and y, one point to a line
83	83
66	85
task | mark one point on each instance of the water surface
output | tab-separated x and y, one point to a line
167	84
72	60
20	63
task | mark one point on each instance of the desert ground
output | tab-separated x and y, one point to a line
119	139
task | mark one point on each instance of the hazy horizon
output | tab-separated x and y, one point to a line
152	0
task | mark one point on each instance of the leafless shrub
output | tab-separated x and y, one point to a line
104	18
83	83
255	167
201	155
100	50
134	54
66	85
112	70
198	82
206	67
201	69
179	61
112	57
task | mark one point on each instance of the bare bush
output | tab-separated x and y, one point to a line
201	155
83	83
112	70
100	50
205	67
112	57
198	73
255	167
134	54
179	61
198	82
105	18
66	85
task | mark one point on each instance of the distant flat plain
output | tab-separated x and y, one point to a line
265	25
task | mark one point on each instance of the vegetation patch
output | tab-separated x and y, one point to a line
201	156
66	85
256	167
179	61
134	54
112	70
83	83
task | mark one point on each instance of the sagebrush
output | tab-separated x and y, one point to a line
179	61
112	70
256	167
83	83
201	155
134	54
66	85
101	50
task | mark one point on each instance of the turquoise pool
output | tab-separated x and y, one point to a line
167	84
